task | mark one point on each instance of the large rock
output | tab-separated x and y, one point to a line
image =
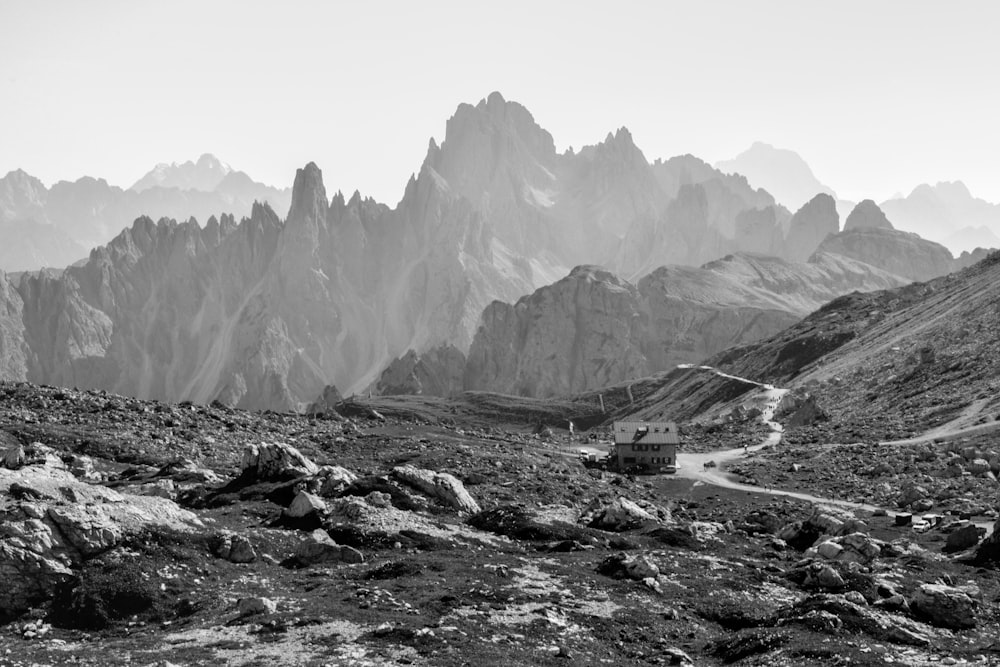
989	550
275	461
441	485
945	606
320	548
67	521
305	504
622	566
964	537
619	515
850	548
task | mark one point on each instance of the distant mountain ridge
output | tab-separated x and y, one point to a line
947	212
89	212
205	175
266	312
592	328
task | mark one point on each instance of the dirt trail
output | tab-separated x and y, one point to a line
692	465
953	429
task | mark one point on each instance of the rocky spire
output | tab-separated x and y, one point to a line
308	196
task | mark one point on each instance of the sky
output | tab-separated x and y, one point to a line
876	96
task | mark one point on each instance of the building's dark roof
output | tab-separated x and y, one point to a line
653	433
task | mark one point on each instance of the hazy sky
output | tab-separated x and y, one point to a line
876	96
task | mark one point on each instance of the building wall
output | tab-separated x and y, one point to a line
646	455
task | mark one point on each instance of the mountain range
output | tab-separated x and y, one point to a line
268	311
57	226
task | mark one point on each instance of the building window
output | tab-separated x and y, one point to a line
655	448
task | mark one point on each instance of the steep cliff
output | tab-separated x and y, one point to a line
592	329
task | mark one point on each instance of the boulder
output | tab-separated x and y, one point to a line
620	515
334	479
964	537
910	494
979	466
622	566
304	505
851	548
233	547
989	550
440	485
944	606
186	470
256	606
36	453
319	547
820	575
275	462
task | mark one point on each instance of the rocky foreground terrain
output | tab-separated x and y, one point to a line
448	533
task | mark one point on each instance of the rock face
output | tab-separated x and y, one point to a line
809	227
592	329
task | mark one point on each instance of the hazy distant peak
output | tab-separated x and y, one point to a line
204	175
867	215
780	171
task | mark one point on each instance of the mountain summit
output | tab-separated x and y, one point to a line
781	172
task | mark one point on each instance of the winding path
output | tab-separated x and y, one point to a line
692	465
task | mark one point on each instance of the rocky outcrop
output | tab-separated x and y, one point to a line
325	404
275	462
867	215
809	227
437	372
59	522
440	485
946	606
900	253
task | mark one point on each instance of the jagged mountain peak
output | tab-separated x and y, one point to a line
309	200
